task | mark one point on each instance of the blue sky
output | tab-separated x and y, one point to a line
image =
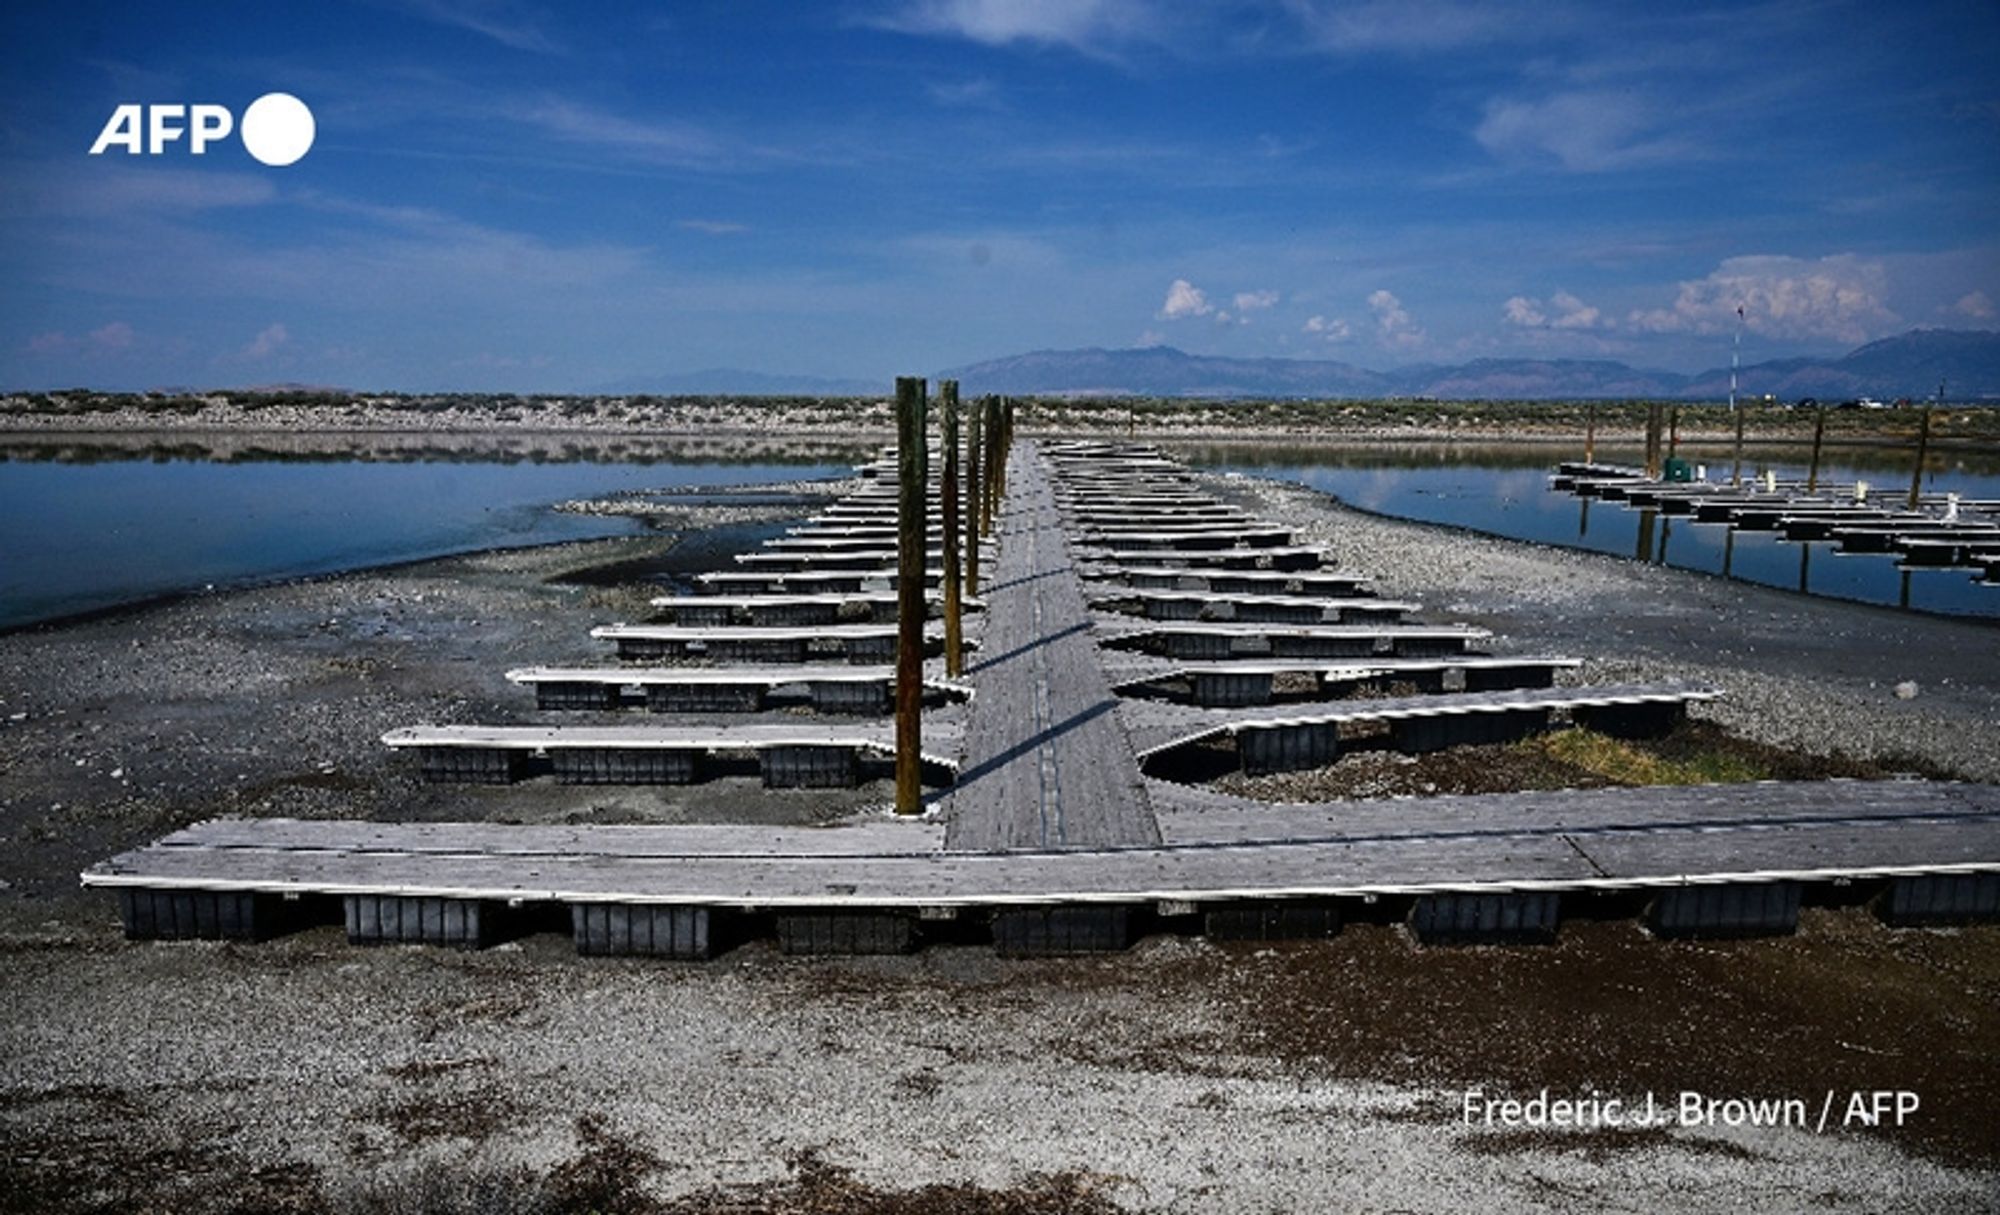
508	195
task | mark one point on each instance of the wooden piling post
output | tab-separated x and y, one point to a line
1674	432
1590	435
972	498
910	600
1006	449
1007	424
1653	419
954	635
1923	453
1819	433
989	488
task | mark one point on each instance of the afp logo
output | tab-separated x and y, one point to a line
277	128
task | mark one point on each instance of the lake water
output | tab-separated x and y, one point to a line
83	531
79	536
1504	491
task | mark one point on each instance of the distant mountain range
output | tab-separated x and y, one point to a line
730	381
1908	366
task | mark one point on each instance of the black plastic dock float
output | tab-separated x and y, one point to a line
1422	735
1272	920
1288	748
1485	918
1285	738
1200	641
647	930
470	765
842	931
849	689
810	767
869	643
204	915
1937	899
1725	911
789	757
624	766
1030	932
390	919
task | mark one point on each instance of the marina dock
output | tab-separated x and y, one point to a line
1053	820
1935	531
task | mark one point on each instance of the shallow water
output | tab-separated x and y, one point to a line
1504	491
77	537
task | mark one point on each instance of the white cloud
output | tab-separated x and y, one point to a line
654	142
1583	132
1410	26
966	94
1976	305
1255	301
1393	324
712	227
1150	338
267	343
1334	330
1837	298
1184	300
1089	26
1563	311
1573	313
101	188
115	336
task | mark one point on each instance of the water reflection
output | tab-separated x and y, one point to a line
1504	491
76	537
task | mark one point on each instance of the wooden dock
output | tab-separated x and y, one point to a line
1936	531
1050	767
1044	833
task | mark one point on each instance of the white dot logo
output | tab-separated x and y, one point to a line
278	129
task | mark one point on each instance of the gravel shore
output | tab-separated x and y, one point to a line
305	1075
1813	674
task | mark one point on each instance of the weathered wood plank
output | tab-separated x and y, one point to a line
862	736
1191	815
873	836
1048	765
1535	860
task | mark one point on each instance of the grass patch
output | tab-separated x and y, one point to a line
1622	762
1695	753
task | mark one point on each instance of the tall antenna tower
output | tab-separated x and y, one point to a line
1735	357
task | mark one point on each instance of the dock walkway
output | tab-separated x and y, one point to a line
1046	834
1049	765
1944	531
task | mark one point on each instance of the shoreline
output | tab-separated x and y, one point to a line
209	1076
172	598
647	519
324	416
1809	672
1470	532
150	431
639	521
